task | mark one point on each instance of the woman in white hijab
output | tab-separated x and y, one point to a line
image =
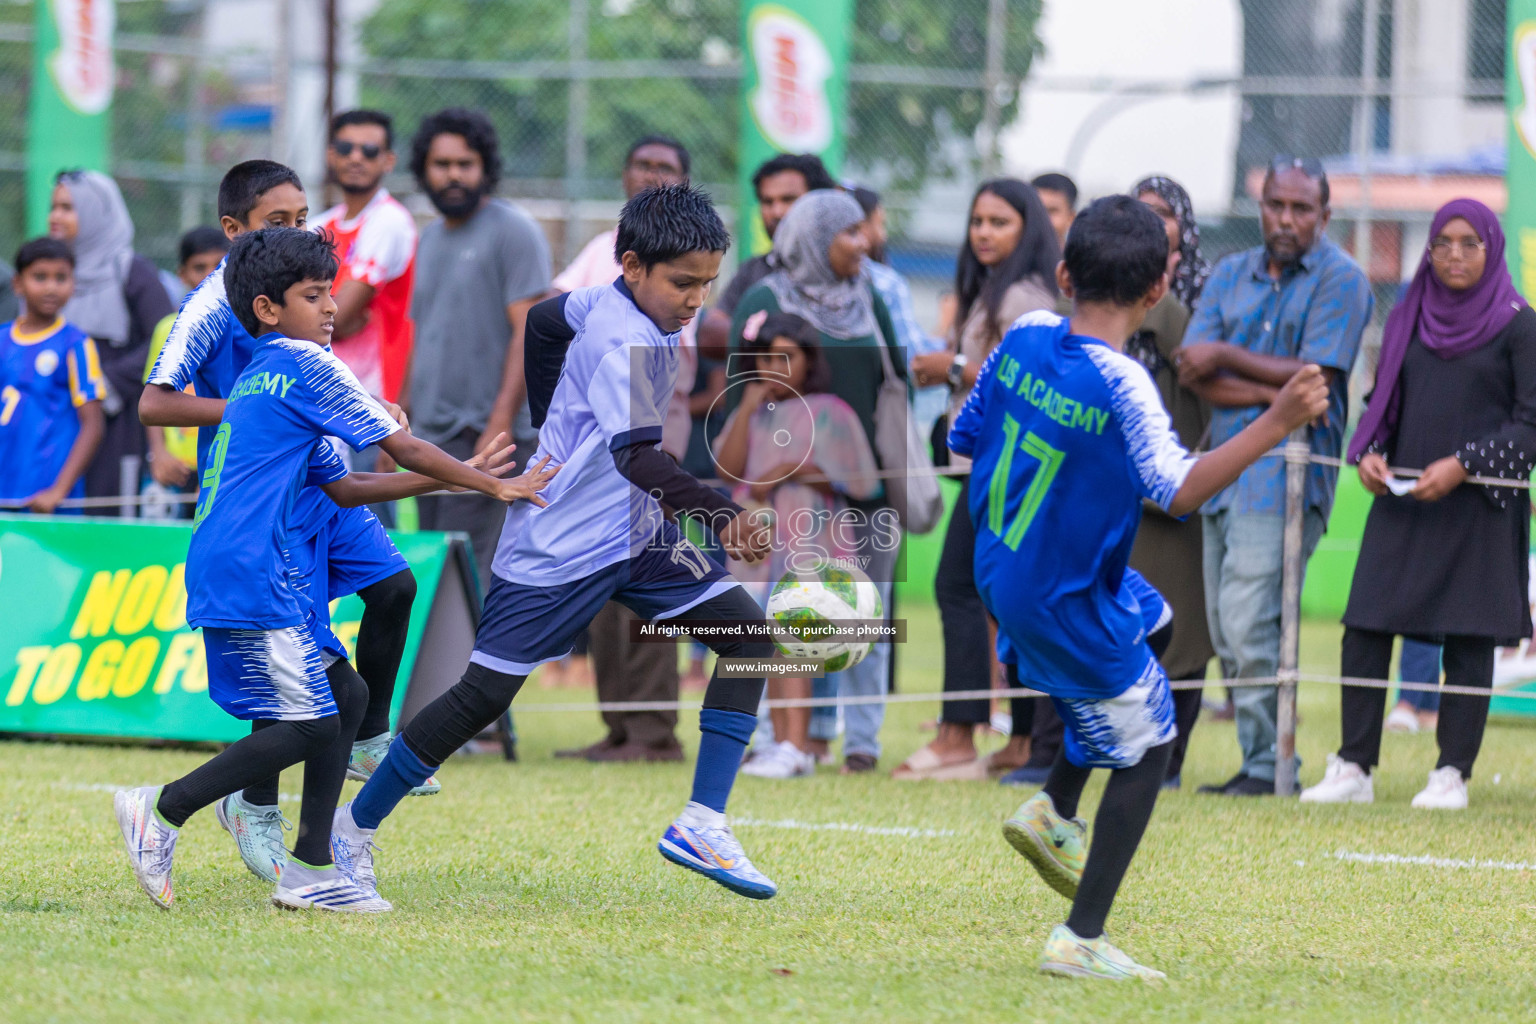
118	301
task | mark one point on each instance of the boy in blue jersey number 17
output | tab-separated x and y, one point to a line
1068	437
51	387
345	550
271	660
603	536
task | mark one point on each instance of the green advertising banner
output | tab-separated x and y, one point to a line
73	73
794	91
1520	175
95	641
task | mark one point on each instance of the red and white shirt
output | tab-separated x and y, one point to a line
378	248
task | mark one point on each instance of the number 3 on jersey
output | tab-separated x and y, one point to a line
997	493
211	474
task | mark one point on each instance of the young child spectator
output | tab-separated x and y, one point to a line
51	388
804	481
172	465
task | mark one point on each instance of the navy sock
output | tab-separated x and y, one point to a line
401	772
724	739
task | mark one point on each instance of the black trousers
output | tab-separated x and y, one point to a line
1367	654
967	651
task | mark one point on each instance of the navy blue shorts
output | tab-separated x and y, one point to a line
524	626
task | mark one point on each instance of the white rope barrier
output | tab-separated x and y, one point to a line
940	697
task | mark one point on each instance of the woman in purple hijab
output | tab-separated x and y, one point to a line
1442	560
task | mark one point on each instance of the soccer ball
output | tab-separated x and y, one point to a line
805	602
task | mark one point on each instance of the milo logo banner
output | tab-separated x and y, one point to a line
73	74
794	88
1520	98
94	639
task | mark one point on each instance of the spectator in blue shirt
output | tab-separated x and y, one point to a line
1264	314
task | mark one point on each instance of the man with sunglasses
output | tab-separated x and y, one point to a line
1264	314
375	240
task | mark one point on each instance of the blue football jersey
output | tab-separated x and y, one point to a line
619	374
44	378
208	349
1067	437
264	452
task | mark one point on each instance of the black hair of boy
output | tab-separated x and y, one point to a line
39	249
375	117
804	334
1058	183
200	240
683	159
1116	251
269	262
245	183
807	165
474	128
665	222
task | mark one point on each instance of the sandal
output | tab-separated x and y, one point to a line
925	764
858	764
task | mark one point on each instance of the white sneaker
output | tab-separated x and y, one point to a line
1402	720
1447	791
149	841
1343	783
783	760
325	889
352	849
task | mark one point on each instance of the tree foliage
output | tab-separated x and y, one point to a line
893	130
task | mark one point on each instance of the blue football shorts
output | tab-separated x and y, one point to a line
1116	732
269	673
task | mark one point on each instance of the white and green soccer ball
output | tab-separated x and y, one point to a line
806	603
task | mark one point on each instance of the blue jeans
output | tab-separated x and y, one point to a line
1243	566
1420	663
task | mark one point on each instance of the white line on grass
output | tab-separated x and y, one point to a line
839	826
1433	862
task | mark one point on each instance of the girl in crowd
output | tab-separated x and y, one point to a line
795	448
1168	551
118	301
1440	559
818	256
1007	268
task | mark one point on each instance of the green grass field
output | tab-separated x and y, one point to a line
534	892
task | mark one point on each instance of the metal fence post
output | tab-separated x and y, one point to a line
1297	452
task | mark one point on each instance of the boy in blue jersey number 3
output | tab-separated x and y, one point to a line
272	660
344	549
603	537
1068	436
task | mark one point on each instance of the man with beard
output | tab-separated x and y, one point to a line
479	268
1264	314
375	239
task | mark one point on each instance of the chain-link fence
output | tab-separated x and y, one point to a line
1402	99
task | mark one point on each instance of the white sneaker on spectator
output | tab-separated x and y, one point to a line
1402	719
783	760
1343	783
1447	791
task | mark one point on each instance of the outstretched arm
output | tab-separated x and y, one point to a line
369	488
429	460
164	406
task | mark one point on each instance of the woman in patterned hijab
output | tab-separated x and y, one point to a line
1168	200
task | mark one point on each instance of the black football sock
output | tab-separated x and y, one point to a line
258	756
381	644
1117	830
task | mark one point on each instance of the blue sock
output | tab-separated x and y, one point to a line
723	742
401	772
